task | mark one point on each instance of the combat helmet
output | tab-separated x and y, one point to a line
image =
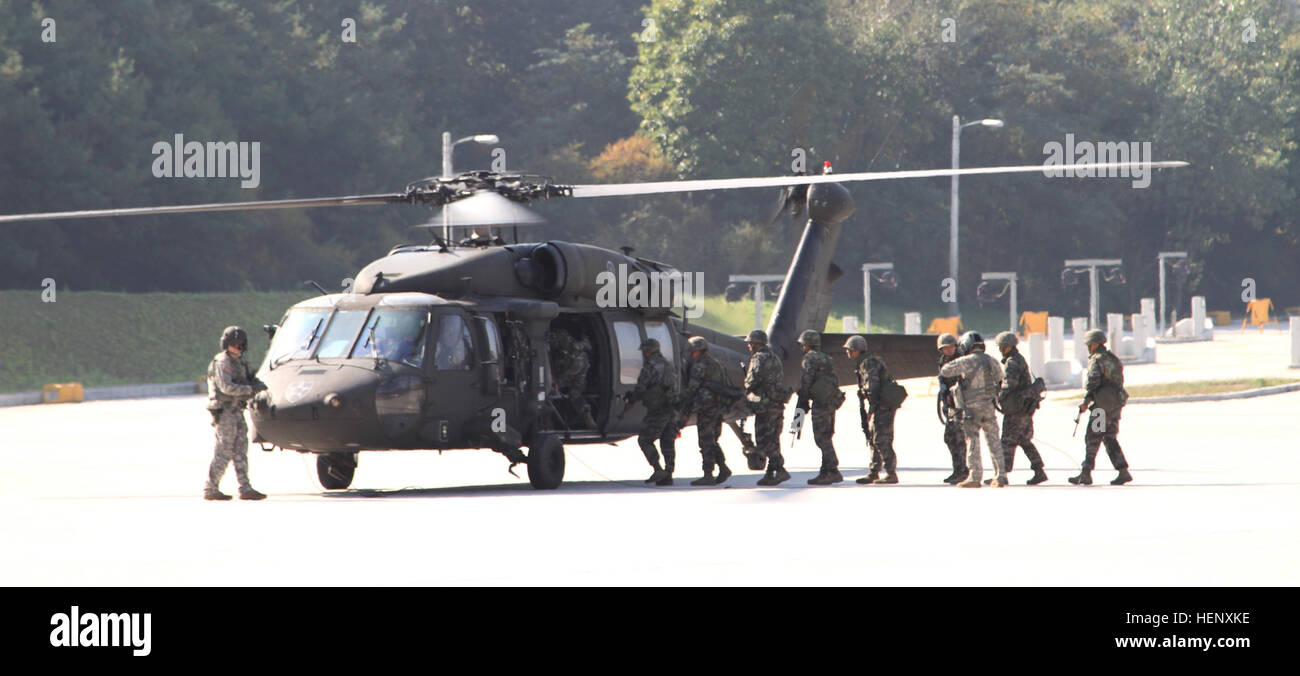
697	343
810	338
233	335
649	345
758	336
946	339
1006	339
856	343
970	341
1094	336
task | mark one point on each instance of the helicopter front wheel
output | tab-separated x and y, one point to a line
335	470
546	462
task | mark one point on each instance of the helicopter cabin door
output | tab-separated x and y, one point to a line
455	384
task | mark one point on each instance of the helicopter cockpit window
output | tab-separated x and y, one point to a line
629	352
341	333
398	335
297	336
660	332
455	347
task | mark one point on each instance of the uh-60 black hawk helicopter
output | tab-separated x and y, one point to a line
445	346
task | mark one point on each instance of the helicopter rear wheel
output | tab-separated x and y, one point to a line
335	470
546	462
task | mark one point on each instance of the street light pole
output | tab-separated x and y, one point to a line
447	149
957	126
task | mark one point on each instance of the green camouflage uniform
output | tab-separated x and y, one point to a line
872	376
657	388
763	382
1104	368
702	399
570	363
1018	428
817	366
980	374
953	436
230	386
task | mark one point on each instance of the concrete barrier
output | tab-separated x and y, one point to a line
105	393
850	324
1079	326
1198	317
912	323
1056	337
1115	332
1037	353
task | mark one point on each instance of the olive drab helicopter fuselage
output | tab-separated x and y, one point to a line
445	346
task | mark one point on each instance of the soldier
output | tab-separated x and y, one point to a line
657	388
704	396
1105	395
767	396
1017	422
818	386
878	423
952	433
230	386
570	363
980	374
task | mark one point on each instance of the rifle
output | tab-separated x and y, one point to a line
801	409
1076	423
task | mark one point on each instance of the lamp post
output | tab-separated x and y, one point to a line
1161	260
448	147
957	126
867	269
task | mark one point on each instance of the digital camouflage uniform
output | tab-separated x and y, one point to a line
763	381
953	436
657	388
570	362
980	374
1104	368
817	366
872	376
230	386
1018	428
702	399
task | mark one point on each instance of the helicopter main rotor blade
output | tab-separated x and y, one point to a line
620	189
356	200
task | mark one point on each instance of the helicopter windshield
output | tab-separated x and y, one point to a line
394	335
297	336
342	331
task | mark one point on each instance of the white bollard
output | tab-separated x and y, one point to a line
1139	334
1149	310
1079	326
1295	342
1056	337
850	324
1036	356
1114	330
1198	316
912	323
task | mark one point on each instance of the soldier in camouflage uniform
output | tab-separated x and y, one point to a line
980	374
767	395
1105	395
657	388
819	387
1017	426
873	375
953	436
230	386
569	364
703	397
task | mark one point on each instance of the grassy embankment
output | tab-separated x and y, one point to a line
104	338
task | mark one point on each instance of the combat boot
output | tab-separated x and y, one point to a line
665	478
1000	483
970	483
706	480
774	477
890	478
1039	477
1084	478
988	482
870	478
826	478
250	494
214	494
1123	478
656	475
957	478
724	473
951	477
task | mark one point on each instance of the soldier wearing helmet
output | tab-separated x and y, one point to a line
230	386
953	436
819	390
980	374
766	394
570	361
877	417
1105	395
707	397
657	388
1018	402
